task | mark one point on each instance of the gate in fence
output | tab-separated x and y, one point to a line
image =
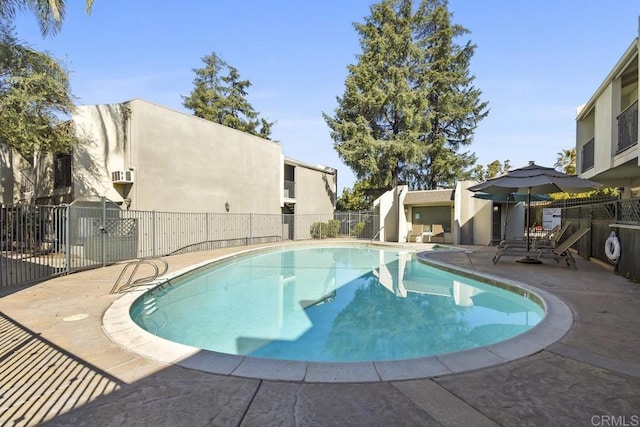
40	242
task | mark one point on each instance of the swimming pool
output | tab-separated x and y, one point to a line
334	304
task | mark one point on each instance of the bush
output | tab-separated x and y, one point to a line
319	230
357	229
333	228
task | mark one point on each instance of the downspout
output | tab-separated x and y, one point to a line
127	147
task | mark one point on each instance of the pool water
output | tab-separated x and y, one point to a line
333	304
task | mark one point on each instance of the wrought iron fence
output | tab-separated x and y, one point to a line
39	242
30	241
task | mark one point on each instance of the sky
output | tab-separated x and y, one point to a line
535	62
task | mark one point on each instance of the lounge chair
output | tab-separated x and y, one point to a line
556	252
562	251
551	238
437	233
416	233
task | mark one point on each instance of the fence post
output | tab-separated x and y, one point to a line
103	230
206	218
153	233
250	228
67	237
590	245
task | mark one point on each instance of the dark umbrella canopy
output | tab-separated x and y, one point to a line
510	197
534	179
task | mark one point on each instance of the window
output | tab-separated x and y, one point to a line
428	215
62	170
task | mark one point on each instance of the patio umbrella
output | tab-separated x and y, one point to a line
510	197
534	180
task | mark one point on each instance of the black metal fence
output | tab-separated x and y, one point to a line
628	127
619	216
40	242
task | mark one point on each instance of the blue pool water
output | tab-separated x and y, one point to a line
333	304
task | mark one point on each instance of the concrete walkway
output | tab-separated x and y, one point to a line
58	367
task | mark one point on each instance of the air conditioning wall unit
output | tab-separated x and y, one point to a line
122	177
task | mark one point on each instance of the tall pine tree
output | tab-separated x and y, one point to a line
221	98
409	104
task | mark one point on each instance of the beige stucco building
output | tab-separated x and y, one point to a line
144	156
446	216
607	129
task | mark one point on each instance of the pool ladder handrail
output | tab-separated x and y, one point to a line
152	261
375	235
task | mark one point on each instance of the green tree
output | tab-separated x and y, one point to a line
408	105
219	95
361	197
493	169
50	13
34	99
566	161
454	108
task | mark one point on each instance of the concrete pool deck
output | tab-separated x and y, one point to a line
59	367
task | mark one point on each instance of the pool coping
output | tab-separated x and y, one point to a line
121	329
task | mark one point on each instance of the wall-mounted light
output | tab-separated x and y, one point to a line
227	206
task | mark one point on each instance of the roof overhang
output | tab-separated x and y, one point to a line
429	197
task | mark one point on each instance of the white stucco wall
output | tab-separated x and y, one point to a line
472	217
386	209
603	132
514	215
181	163
186	164
403	223
315	189
103	148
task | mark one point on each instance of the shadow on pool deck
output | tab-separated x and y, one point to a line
57	367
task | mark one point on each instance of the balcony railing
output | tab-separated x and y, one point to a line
289	189
588	155
628	127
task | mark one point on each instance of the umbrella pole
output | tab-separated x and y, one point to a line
527	259
528	216
506	218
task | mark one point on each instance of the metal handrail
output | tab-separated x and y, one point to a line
143	280
375	235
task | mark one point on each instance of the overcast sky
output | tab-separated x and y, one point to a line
535	62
